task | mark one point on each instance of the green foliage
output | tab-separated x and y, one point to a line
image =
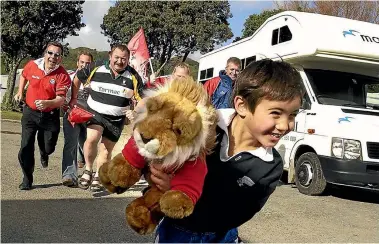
69	62
254	21
11	115
27	26
172	28
374	88
13	106
169	67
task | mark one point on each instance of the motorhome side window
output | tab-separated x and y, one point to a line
280	35
209	73
202	74
246	61
206	73
274	39
250	60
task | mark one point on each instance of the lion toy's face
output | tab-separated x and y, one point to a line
178	123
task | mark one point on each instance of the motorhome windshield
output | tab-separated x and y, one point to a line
344	89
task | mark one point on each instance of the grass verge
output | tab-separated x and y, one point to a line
10	115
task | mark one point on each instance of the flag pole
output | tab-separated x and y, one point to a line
151	66
159	70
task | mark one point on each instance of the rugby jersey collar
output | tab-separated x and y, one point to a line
41	65
107	66
225	118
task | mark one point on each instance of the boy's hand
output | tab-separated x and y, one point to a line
161	179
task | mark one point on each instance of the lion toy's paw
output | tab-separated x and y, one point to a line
139	217
176	204
118	175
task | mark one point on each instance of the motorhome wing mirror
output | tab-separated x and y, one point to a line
305	104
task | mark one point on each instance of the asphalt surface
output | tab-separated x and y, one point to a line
54	213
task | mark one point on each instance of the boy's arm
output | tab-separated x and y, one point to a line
267	186
190	179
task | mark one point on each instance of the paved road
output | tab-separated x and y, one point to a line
54	213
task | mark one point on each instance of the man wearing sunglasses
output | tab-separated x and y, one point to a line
48	85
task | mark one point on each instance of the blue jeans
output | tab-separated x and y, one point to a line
74	138
170	233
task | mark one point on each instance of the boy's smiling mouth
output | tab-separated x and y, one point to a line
277	135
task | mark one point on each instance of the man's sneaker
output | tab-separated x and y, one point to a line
45	161
69	182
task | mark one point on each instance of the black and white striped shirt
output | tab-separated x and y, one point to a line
111	95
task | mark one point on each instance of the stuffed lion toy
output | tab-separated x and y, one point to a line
177	130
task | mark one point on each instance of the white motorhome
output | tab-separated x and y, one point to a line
336	134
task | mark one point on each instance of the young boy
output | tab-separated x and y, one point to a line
244	169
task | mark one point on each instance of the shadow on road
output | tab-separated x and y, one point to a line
47	185
347	193
353	194
68	220
10	132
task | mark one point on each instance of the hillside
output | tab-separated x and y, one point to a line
69	61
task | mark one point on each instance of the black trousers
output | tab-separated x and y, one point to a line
47	125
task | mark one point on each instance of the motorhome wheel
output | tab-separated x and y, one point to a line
309	177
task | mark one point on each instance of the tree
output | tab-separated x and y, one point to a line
172	28
26	28
237	39
254	21
367	11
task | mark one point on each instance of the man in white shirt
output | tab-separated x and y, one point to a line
74	136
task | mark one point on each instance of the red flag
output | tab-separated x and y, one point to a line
139	54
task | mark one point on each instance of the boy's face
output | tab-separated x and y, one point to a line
270	121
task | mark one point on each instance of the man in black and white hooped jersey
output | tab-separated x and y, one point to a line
113	86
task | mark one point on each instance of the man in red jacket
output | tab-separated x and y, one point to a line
48	85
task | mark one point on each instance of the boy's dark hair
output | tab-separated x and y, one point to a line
86	53
122	47
267	79
56	44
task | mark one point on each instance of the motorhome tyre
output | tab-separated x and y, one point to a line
309	177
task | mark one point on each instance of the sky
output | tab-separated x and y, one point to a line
93	12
